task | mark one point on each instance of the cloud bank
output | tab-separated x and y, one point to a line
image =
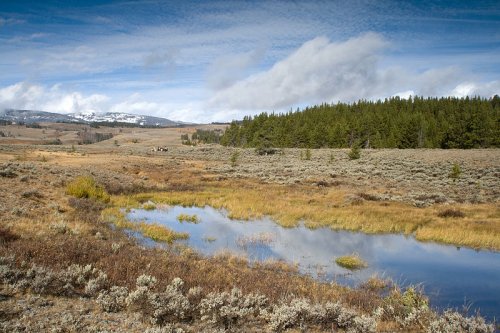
324	71
318	70
28	96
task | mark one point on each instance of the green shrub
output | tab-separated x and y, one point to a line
355	152
455	172
234	158
308	154
87	187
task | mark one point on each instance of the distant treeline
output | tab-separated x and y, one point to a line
88	137
202	136
417	122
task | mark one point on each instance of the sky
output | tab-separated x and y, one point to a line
206	61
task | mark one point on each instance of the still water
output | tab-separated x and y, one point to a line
451	276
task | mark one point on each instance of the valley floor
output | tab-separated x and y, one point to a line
404	191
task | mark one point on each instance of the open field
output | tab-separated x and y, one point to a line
404	191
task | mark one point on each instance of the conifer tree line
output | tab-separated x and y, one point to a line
418	122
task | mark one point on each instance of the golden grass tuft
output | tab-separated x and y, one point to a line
351	262
87	187
160	233
188	218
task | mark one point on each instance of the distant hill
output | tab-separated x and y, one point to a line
30	116
110	117
33	116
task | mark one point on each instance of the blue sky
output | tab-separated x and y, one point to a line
220	60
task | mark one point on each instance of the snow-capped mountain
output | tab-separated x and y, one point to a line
31	116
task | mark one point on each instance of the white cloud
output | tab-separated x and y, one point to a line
227	69
28	96
487	89
404	94
318	71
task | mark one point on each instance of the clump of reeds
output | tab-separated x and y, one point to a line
188	218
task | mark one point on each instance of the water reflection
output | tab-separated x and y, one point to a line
452	277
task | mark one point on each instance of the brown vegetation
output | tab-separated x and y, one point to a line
42	225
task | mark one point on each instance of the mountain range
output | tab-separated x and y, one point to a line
33	116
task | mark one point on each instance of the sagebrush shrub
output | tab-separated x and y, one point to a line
138	300
161	308
169	306
168	328
43	281
452	321
363	324
285	316
227	310
95	285
301	313
147	281
113	300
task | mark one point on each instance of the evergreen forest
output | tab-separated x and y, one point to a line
417	122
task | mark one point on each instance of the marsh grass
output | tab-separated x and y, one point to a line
160	233
154	231
291	205
351	262
188	218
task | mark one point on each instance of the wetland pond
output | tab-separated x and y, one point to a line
450	276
